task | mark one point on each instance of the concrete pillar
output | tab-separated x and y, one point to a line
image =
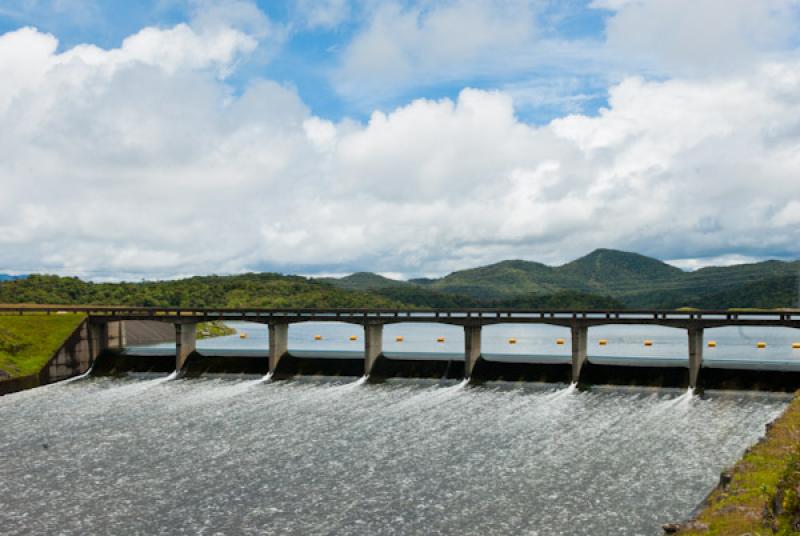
472	348
278	343
115	334
185	343
373	345
580	337
695	355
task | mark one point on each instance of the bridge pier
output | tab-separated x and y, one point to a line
695	355
472	348
278	343
373	345
580	336
185	343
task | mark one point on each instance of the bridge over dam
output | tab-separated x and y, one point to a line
106	337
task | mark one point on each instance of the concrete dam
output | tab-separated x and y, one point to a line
106	333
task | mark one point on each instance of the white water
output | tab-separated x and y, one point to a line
213	455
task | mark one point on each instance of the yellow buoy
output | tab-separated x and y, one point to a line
560	341
353	338
796	345
712	344
399	338
761	344
602	342
648	343
317	337
243	335
439	339
512	340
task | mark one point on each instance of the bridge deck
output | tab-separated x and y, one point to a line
461	317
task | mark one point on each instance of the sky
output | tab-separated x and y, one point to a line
165	138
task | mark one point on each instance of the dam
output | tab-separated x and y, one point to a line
105	333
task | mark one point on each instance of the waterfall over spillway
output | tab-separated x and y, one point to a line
329	457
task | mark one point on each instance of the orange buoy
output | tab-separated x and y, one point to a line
712	344
399	338
560	341
439	339
761	344
353	338
602	342
796	345
317	337
648	343
512	340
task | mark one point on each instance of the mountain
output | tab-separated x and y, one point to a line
6	277
603	279
607	276
609	270
363	281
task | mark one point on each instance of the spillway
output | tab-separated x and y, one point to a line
340	456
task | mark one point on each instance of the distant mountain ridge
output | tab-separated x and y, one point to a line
6	277
634	280
603	279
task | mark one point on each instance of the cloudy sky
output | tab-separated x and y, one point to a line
177	137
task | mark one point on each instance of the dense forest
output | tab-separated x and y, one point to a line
604	279
263	290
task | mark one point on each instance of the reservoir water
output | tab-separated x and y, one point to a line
152	454
735	347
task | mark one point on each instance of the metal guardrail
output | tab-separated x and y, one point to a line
784	317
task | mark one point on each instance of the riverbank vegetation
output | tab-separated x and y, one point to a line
760	495
207	330
28	342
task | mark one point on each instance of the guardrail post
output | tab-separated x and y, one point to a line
695	355
472	348
373	345
278	343
580	337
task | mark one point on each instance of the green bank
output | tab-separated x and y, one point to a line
28	342
760	495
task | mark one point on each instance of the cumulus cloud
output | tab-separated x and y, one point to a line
142	161
420	44
691	37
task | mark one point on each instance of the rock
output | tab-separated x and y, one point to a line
725	478
671	528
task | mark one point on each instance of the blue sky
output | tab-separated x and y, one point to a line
308	54
410	137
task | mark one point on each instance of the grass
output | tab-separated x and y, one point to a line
761	497
28	342
207	330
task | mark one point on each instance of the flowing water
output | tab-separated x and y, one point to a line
158	455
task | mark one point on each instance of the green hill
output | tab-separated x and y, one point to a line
247	290
607	276
603	279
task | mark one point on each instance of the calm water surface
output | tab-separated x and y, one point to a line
736	346
150	455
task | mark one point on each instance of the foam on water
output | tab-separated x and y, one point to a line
216	455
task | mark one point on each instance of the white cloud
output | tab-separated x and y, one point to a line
429	42
695	37
130	161
322	13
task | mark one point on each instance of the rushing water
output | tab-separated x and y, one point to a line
152	455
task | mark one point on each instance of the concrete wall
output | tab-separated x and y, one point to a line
148	332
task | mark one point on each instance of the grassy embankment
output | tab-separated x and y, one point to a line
207	330
762	495
28	342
